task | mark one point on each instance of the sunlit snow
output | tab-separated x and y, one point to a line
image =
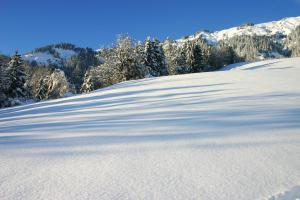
231	135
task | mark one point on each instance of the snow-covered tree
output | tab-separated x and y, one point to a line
101	76
294	42
5	82
193	56
183	58
48	83
251	48
155	58
175	57
128	60
16	73
58	84
5	79
88	83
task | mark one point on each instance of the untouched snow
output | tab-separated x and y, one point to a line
46	58
284	27
39	57
232	134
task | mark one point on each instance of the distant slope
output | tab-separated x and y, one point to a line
46	58
280	27
52	54
232	134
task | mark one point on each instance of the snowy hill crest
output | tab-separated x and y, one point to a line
52	54
281	27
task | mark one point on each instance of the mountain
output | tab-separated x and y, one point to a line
231	134
282	27
51	55
56	54
255	42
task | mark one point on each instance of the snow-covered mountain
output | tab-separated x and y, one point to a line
281	27
46	58
57	54
231	135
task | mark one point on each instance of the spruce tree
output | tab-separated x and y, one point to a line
17	75
149	57
41	92
155	58
4	85
128	60
294	42
197	65
88	84
160	58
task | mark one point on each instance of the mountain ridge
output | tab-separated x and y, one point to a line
283	26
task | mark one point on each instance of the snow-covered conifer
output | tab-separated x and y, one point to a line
16	73
155	58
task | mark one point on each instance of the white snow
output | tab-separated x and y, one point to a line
39	57
230	135
284	27
65	53
45	57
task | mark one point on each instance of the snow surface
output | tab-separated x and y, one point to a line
45	57
232	134
284	26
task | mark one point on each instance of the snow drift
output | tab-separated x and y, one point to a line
232	134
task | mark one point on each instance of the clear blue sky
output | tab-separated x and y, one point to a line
94	23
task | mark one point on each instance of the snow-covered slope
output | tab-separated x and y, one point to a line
59	56
232	134
283	27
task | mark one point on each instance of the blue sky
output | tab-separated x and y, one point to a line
32	23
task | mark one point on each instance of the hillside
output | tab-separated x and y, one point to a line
281	27
231	134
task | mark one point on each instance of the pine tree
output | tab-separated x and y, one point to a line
155	58
5	80
197	64
176	57
41	91
17	75
4	85
170	52
193	57
128	60
182	58
88	84
294	42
